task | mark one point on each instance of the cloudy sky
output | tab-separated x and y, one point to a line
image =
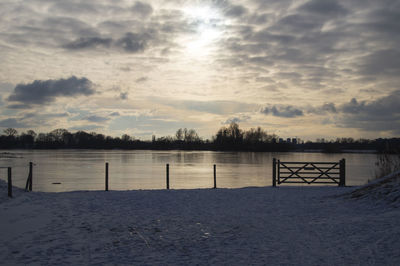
308	68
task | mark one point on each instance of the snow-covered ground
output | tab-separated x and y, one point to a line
248	226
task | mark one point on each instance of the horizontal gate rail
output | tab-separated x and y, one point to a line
308	172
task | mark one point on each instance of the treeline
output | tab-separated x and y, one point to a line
227	138
380	145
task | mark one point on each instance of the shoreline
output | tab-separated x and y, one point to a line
347	151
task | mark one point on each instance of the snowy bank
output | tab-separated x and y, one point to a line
248	226
385	190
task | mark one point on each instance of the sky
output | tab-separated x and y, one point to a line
308	69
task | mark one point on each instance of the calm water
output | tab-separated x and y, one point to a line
84	169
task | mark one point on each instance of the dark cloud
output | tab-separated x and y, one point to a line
58	115
329	107
29	115
123	95
258	19
141	79
353	107
261	60
382	62
19	106
235	11
133	42
142	9
386	108
297	23
326	108
74	7
287	111
88	42
266	36
96	118
46	91
383	22
44	115
130	42
324	8
14	123
379	115
115	114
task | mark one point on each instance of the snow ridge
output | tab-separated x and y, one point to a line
385	190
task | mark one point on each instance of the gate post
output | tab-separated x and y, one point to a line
215	176
342	181
274	172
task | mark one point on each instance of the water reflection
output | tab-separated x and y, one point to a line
84	169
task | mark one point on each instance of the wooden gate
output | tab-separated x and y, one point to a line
309	172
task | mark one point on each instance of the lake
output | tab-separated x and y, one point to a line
69	170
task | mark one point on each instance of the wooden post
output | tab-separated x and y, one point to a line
215	176
9	183
274	172
106	176
30	175
342	181
167	173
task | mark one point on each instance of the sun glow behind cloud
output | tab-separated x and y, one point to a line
208	23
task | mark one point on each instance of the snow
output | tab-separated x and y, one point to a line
385	190
248	226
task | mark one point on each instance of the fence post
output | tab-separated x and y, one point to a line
167	173
342	181
106	176
215	176
274	172
30	175
9	183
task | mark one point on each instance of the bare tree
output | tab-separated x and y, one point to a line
12	132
